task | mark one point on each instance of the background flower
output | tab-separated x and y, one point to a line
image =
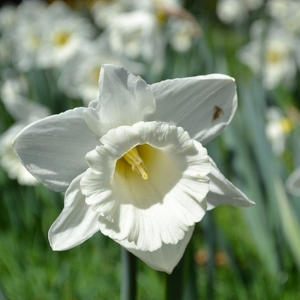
24	112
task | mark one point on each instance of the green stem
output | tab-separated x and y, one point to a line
175	282
191	291
128	285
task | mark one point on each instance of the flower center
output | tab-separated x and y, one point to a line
61	37
134	159
286	125
273	56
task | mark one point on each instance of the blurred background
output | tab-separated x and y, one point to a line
51	54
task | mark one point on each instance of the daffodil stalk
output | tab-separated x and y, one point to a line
129	270
175	281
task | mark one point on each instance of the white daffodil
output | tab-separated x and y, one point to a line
182	33
80	76
104	11
64	33
278	128
127	166
27	34
230	11
137	36
277	52
287	13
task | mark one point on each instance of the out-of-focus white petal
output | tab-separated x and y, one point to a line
124	100
76	223
23	109
165	258
277	129
202	105
230	11
160	209
293	183
9	160
53	149
18	106
223	192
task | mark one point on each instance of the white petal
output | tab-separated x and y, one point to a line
165	258
124	100
223	192
22	109
202	105
9	160
76	223
153	211
293	183
53	149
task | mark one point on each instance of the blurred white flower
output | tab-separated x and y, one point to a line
287	13
181	34
24	112
104	11
27	34
278	128
128	167
235	11
178	26
9	160
47	36
14	97
270	53
80	77
154	5
135	34
63	34
230	11
7	17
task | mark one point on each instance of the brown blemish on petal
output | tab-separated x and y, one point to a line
217	113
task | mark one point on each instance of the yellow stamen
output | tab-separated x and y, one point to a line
161	16
134	159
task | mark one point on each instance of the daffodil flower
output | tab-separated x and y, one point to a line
132	165
278	128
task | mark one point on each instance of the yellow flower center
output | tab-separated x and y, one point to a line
286	125
161	16
137	164
273	56
61	37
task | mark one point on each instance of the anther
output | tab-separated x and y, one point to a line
134	159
